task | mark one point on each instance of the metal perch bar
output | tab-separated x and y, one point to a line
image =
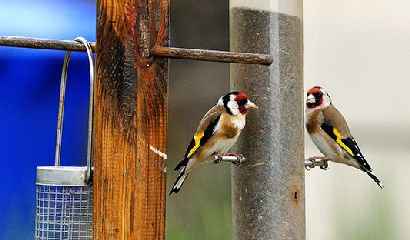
228	158
158	51
316	162
309	163
235	158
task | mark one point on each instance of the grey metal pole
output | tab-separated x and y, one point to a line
268	197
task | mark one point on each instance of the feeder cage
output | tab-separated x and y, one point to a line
64	195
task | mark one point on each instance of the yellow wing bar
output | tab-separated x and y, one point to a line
197	139
339	141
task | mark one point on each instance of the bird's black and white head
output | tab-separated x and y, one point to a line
236	103
317	98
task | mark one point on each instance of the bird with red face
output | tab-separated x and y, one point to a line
329	132
216	134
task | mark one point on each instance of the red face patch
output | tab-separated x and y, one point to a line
242	109
241	96
241	99
313	90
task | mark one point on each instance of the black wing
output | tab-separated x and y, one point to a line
350	146
347	144
198	141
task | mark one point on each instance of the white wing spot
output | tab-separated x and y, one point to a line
180	182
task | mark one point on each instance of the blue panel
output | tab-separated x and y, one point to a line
29	91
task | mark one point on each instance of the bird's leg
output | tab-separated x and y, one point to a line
317	157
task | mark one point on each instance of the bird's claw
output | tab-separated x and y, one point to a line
309	167
217	158
325	165
239	159
312	163
317	161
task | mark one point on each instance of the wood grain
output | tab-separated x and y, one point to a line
130	120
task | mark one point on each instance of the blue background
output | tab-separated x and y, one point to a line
29	92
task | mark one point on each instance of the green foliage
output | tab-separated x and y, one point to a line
202	209
377	224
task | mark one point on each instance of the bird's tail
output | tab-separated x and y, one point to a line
375	178
180	180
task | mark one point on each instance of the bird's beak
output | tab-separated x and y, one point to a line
311	99
250	104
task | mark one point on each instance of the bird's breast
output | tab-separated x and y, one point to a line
230	127
313	121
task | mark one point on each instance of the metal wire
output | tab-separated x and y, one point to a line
64	212
90	111
90	106
64	195
60	118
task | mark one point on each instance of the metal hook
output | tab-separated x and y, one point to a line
90	111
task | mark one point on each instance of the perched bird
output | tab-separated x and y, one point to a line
329	131
216	134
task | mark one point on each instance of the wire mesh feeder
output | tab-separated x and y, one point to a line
64	208
64	195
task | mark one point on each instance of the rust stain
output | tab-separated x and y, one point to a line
295	194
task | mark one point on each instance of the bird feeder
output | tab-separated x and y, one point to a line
64	194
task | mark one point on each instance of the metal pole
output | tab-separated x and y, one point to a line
268	198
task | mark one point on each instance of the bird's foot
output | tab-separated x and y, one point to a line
217	157
239	158
325	164
312	162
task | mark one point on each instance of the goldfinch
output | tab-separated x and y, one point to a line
329	132
216	134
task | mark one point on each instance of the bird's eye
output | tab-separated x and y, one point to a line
242	102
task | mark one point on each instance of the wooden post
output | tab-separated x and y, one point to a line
130	131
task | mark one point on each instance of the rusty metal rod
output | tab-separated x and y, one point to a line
41	43
170	52
212	55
